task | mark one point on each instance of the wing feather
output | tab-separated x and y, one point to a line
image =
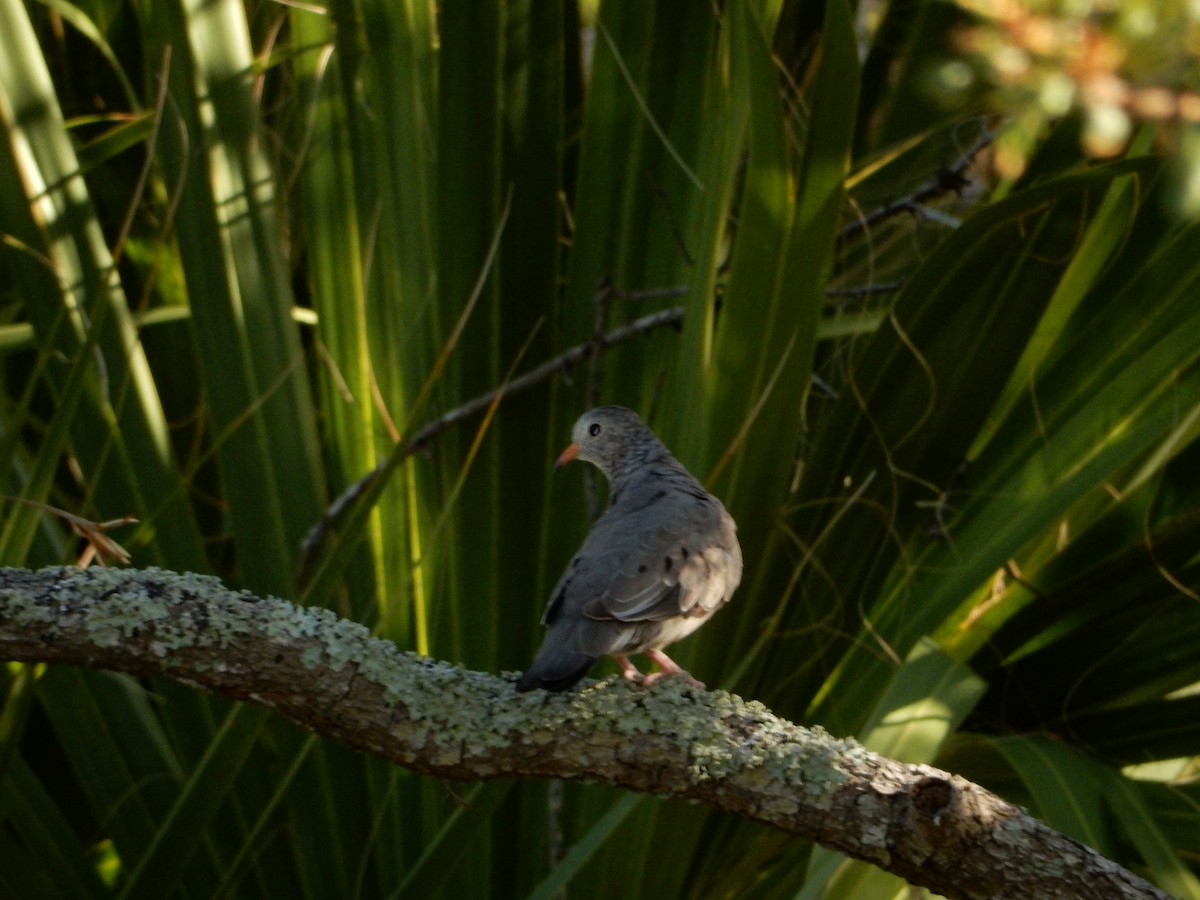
662	569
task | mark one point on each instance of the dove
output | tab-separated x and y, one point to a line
660	560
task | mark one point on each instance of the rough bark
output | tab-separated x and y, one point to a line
331	676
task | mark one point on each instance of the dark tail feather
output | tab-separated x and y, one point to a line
557	671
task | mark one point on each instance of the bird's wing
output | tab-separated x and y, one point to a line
608	585
670	565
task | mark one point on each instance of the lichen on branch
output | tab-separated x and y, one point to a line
333	677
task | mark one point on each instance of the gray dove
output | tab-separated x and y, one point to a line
656	565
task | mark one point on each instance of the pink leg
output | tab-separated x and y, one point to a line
630	670
667	666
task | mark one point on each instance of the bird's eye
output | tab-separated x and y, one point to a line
594	429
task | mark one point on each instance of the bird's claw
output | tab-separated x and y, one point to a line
688	679
629	671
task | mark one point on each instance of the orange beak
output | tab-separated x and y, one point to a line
567	455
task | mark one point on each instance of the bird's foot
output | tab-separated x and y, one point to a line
667	666
629	670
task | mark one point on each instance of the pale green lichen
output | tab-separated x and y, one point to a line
445	713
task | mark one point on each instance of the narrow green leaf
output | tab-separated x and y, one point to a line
184	827
1066	794
40	854
235	868
119	434
927	699
100	722
446	849
249	350
583	850
1135	818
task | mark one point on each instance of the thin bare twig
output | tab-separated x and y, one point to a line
606	293
942	182
866	290
560	364
601	303
100	546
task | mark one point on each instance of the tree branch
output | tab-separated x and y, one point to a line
332	677
952	178
559	365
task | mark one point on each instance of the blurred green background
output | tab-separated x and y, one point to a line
941	365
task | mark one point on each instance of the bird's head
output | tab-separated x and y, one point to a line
610	438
